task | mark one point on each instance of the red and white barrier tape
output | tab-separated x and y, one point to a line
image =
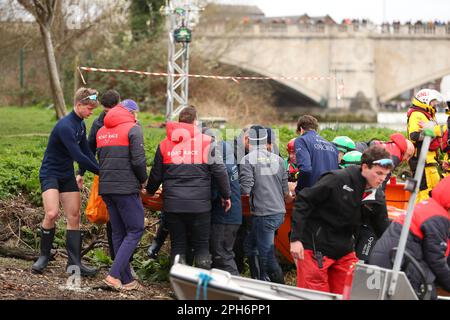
234	78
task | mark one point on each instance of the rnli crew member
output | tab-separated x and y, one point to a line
421	112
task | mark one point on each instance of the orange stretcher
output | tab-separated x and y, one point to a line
396	200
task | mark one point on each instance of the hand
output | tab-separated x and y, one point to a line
226	204
292	186
297	251
421	124
143	190
80	182
289	198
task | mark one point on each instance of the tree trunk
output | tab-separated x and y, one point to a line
55	84
19	253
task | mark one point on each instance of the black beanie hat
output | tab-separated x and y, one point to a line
257	135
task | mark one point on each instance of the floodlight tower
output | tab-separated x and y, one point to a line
178	56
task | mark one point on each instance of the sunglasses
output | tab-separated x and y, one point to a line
91	97
384	162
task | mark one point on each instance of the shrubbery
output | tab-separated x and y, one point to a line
23	143
22	149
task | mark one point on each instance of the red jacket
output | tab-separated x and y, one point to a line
428	240
120	144
184	163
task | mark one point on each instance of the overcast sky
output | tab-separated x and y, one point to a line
375	10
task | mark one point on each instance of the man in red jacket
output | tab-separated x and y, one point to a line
123	172
428	240
184	163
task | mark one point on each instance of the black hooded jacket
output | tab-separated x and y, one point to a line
328	215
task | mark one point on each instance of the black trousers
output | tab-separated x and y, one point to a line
222	242
191	227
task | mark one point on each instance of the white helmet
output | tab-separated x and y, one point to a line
447	100
447	97
427	95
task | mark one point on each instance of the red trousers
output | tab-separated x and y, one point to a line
330	278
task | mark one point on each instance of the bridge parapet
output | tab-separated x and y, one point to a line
338	30
368	64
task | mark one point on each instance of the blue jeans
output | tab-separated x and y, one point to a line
260	241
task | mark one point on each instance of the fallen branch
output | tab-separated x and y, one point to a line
92	246
153	223
18	237
19	253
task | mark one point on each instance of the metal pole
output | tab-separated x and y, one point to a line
405	229
178	59
186	77
170	54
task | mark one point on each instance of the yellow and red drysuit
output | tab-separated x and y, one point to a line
417	113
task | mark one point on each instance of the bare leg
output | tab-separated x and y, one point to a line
71	203
50	198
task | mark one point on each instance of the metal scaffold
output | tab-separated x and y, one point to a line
178	56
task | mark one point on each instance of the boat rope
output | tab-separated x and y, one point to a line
203	281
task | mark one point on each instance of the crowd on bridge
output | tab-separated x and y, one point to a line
337	188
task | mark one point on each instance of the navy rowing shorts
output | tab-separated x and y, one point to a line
68	184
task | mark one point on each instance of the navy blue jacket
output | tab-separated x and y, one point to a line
92	138
67	143
234	215
315	156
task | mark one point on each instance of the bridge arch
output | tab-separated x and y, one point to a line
296	85
413	83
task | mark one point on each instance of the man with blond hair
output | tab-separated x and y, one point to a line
67	143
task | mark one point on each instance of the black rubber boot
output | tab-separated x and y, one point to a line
203	261
158	241
47	237
73	246
181	259
253	264
190	256
154	249
277	277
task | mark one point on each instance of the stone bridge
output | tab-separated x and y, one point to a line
368	64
